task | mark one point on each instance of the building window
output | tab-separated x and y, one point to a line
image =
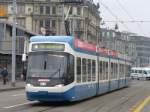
21	22
41	23
47	10
71	11
78	11
53	23
21	9
53	10
47	23
41	10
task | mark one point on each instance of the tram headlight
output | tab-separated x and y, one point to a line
59	85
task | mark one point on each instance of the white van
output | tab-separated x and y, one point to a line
140	72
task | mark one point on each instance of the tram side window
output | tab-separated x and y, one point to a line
100	70
89	71
93	70
112	71
116	71
78	69
83	70
122	71
106	70
114	65
70	76
103	70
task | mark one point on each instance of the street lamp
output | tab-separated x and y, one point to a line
14	44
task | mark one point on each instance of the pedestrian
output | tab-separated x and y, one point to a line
4	74
24	73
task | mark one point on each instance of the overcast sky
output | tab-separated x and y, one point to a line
127	10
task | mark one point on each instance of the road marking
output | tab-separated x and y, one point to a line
141	105
19	94
27	103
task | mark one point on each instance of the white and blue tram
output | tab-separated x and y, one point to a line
62	68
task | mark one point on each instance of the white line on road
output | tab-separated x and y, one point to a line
19	94
27	103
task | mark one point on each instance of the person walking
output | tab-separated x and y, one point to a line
4	74
24	73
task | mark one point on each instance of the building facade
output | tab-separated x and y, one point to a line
6	46
80	18
143	50
49	16
118	41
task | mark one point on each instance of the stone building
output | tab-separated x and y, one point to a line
118	41
143	50
49	16
6	46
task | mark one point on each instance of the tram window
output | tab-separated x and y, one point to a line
116	68
83	70
100	70
111	71
120	72
106	70
89	70
71	69
123	71
93	70
78	69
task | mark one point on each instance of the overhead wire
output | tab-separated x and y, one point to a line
129	21
130	16
114	15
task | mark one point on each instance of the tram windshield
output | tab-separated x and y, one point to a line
54	66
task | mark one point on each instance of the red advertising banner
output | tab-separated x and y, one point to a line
84	45
107	52
90	47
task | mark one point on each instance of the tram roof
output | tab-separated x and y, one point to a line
68	39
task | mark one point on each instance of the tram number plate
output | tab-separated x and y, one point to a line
42	83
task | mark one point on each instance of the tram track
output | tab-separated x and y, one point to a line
118	105
123	100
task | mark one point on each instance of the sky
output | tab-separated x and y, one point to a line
129	12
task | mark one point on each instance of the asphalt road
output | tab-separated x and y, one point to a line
124	100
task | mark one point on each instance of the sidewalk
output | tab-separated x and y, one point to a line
8	86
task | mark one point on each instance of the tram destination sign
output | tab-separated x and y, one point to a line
48	47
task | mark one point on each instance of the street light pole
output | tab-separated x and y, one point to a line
14	44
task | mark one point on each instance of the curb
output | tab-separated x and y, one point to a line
11	89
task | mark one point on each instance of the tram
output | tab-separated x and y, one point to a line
63	68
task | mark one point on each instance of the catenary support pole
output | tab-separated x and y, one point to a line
14	44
